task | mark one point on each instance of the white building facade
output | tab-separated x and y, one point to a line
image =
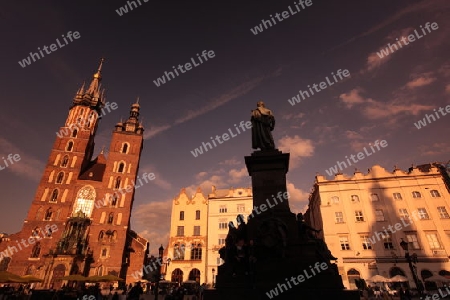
365	217
224	205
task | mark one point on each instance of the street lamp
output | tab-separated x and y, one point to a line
213	272
158	274
412	260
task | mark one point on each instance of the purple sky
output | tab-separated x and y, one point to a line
381	100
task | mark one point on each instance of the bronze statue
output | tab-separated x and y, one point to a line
263	122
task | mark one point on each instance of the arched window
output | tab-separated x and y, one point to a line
85	201
60	177
416	194
4	263
39	213
113	236
36	250
58	214
353	276
177	276
49	231
117	183
335	199
110	218
48	214
69	146
114	200
101	235
194	275
35	231
124	148
435	193
196	252
65	161
74	133
54	196
355	198
121	167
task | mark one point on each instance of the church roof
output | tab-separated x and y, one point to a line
95	169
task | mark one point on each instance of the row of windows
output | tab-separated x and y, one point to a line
48	215
396	196
70	144
239	208
110	218
367	241
197	215
180	231
403	212
108	236
179	251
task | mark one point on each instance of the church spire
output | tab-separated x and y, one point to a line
94	94
95	83
132	124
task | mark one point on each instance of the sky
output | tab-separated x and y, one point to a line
384	95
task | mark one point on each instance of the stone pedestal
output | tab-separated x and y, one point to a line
279	262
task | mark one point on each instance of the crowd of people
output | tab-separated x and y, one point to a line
101	292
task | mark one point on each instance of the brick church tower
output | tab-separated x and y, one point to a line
79	220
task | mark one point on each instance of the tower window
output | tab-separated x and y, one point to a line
36	250
104	252
124	148
48	214
101	236
114	200
60	177
113	236
69	147
54	196
110	218
121	167
57	215
74	133
65	161
39	213
117	184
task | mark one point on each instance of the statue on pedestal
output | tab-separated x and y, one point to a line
263	122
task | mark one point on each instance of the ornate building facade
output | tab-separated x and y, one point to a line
79	219
188	238
365	218
199	226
